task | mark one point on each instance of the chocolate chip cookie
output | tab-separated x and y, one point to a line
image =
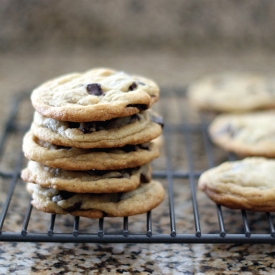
136	129
246	184
232	91
96	95
250	134
144	198
69	158
88	181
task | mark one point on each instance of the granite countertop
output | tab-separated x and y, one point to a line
20	73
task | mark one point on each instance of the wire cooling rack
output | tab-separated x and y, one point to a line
187	152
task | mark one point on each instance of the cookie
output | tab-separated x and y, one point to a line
89	181
69	158
96	95
141	200
250	134
136	129
246	184
232	91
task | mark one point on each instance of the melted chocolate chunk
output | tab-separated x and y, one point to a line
140	107
63	195
158	120
101	173
73	124
128	148
94	89
135	118
144	178
87	127
74	207
133	86
116	197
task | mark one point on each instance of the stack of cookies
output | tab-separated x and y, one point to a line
91	143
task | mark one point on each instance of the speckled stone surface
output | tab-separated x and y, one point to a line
135	259
89	258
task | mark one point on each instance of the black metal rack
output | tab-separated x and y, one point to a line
167	175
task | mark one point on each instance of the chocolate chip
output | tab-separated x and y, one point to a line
140	107
66	195
73	124
116	197
87	127
59	147
158	120
128	148
144	178
94	89
132	87
141	83
135	118
63	195
74	207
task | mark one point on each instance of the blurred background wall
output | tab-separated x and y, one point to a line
136	23
173	42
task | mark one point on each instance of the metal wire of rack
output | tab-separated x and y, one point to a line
169	175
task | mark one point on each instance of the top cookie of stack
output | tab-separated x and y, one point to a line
96	95
96	125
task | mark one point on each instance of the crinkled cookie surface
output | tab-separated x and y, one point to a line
245	184
248	134
96	95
